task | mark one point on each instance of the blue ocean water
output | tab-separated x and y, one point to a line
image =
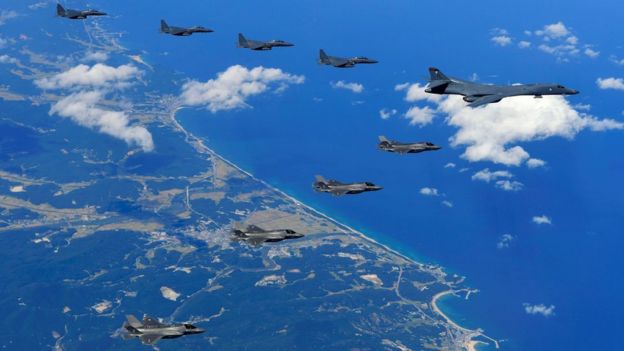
287	139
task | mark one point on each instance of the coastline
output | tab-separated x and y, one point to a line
468	342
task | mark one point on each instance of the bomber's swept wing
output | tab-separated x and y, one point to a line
150	339
487	99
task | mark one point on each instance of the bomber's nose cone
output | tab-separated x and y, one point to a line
574	92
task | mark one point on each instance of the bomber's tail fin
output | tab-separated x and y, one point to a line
435	74
242	41
164	27
383	138
60	10
133	321
322	56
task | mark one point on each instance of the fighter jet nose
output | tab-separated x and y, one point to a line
574	92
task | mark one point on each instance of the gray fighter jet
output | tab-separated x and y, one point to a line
260	45
77	14
482	94
337	188
342	62
150	330
255	235
406	148
182	32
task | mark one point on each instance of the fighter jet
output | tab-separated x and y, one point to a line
182	32
77	14
406	148
150	330
342	62
260	45
337	188
256	235
482	94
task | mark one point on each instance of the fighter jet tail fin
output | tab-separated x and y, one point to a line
242	41
435	74
133	321
164	27
60	10
320	179
383	138
323	56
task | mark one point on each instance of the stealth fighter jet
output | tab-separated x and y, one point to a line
260	45
481	94
256	235
342	62
182	32
77	14
406	148
337	188
150	330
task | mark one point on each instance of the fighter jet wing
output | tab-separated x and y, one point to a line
254	228
343	63
488	99
150	322
150	339
178	31
256	46
338	192
256	241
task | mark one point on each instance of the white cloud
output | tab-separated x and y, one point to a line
416	92
554	31
232	87
420	115
447	204
535	163
617	61
540	309
353	87
6	15
387	113
610	83
429	192
82	108
95	56
3	42
524	44
97	76
509	185
7	59
505	241
591	53
501	40
449	165
487	176
543	219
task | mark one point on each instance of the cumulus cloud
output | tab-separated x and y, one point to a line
554	31
501	179
540	309
429	192
610	83
591	53
501	40
387	113
97	76
7	59
232	87
543	219
509	185
447	204
449	165
617	61
353	87
82	108
6	15
89	87
504	241
523	44
491	132
535	163
95	56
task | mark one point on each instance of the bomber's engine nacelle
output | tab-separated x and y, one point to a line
470	98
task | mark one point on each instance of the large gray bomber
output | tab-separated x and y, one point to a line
150	330
255	235
405	148
483	94
260	45
337	188
342	62
181	31
77	14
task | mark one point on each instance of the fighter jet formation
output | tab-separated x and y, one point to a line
181	31
406	148
255	235
150	330
258	45
482	94
337	188
77	14
342	62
